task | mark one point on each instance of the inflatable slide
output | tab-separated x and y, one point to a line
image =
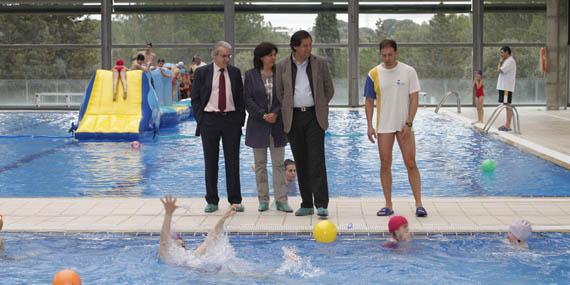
101	118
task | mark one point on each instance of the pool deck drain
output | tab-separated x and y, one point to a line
351	215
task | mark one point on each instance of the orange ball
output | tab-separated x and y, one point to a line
66	277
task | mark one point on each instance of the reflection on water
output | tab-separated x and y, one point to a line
449	157
121	169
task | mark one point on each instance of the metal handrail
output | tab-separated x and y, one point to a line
497	112
445	99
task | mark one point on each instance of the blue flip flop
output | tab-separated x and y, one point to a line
385	212
421	212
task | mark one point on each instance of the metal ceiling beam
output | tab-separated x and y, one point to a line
382	8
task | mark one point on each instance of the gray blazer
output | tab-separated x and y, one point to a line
321	85
258	130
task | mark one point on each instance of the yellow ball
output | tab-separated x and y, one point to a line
325	231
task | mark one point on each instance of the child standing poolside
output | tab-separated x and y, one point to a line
479	95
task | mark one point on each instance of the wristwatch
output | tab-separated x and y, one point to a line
409	124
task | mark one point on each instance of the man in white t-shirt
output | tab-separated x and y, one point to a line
506	83
395	87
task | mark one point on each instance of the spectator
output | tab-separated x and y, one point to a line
305	88
506	83
196	62
265	127
219	108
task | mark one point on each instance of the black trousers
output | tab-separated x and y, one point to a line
216	126
308	146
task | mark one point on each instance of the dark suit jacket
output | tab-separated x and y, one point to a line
256	101
321	87
202	89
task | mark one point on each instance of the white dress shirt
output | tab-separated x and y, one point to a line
212	105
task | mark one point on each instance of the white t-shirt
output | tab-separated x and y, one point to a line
508	75
396	85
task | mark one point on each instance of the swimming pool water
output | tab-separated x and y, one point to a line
448	157
439	259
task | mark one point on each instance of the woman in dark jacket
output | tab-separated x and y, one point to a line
264	126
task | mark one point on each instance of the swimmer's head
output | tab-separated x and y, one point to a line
478	74
136	145
178	240
519	231
119	62
398	227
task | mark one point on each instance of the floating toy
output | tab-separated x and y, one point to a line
488	165
66	277
325	231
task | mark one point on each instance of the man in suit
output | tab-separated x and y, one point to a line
304	87
219	109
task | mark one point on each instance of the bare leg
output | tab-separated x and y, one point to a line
124	81
480	109
385	145
408	148
115	79
509	116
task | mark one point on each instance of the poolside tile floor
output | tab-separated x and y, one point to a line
543	133
351	215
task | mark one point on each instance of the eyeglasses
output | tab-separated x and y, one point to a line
228	56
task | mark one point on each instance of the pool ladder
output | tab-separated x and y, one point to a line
497	112
445	99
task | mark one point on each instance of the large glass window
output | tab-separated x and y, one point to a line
514	27
168	28
50	29
27	72
277	28
414	28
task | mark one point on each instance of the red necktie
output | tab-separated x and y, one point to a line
222	94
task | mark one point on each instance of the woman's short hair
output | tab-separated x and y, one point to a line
261	50
140	56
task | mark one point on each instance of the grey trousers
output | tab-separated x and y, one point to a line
277	157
